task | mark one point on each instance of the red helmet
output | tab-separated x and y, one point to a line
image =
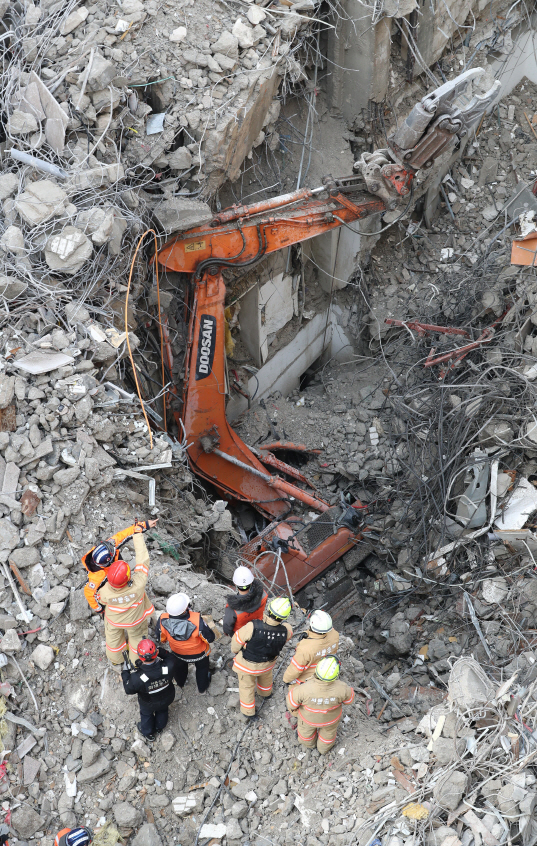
119	574
147	650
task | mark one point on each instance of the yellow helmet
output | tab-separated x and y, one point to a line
279	608
328	668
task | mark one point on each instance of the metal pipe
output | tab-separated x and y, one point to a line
39	164
276	482
237	211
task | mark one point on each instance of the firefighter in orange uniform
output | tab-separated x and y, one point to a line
81	836
189	637
98	559
127	607
317	704
247	604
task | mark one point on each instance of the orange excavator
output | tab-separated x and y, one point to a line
290	552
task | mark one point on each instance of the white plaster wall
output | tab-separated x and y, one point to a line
522	62
283	371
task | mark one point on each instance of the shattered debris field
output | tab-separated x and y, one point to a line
241	294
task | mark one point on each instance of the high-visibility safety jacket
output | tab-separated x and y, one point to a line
96	575
319	702
272	646
242	608
312	649
126	607
59	840
188	634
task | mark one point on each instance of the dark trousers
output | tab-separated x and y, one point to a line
203	676
153	721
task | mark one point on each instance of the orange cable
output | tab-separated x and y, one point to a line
127	333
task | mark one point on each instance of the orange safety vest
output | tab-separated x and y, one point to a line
243	617
195	644
60	837
97	577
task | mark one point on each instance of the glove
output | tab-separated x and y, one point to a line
100	612
126	662
141	526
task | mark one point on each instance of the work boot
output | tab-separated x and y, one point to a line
149	737
208	686
248	718
116	668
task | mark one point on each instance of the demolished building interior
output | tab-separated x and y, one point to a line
380	378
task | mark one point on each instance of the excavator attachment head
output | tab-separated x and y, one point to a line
417	143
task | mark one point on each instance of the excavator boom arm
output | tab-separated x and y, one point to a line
247	239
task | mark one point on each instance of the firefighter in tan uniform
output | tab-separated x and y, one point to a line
321	640
256	647
99	558
127	607
318	705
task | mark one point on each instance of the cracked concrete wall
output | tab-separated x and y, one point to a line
359	61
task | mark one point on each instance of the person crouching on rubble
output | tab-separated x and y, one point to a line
189	637
247	604
99	558
317	705
127	607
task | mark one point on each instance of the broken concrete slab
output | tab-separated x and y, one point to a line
40	202
22	123
180	213
68	251
72	21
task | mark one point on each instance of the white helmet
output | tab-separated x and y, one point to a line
242	577
320	622
177	604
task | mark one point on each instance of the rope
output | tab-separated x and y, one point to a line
147	231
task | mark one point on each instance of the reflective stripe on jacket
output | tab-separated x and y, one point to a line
128	606
318	702
195	644
96	575
308	653
241	638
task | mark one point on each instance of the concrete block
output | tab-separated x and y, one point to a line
22	123
11	478
10	642
180	213
42	656
77	17
68	251
41	201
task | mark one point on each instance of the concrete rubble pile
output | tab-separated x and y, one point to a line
472	780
